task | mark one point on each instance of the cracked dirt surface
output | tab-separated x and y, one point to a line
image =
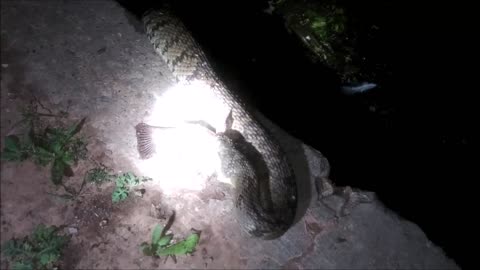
86	58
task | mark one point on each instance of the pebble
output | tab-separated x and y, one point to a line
139	192
103	223
71	230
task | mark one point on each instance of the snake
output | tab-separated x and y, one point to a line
265	197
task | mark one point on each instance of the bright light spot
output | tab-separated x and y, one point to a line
185	158
192	102
186	155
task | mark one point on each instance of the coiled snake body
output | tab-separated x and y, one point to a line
265	187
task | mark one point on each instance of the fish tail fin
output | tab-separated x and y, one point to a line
145	144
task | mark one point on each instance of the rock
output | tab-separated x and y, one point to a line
139	192
71	230
103	223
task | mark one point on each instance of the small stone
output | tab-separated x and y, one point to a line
102	50
70	230
105	99
139	192
4	65
103	223
341	240
324	187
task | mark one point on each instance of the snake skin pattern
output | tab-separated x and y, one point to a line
265	186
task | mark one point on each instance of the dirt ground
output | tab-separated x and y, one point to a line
86	58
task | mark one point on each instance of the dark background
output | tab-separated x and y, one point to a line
410	140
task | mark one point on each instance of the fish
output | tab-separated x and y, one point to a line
359	88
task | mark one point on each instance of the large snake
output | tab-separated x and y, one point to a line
265	186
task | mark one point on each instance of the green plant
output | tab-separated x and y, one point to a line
161	244
14	150
123	184
40	250
56	146
99	175
96	175
328	23
30	114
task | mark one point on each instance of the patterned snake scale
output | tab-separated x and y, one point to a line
265	188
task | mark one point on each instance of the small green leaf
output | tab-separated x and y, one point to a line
56	147
47	258
165	240
119	194
11	248
12	143
157	232
67	158
98	175
58	169
22	266
43	151
42	156
13	149
27	247
129	178
183	247
120	182
147	249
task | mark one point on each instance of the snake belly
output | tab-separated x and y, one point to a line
264	182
